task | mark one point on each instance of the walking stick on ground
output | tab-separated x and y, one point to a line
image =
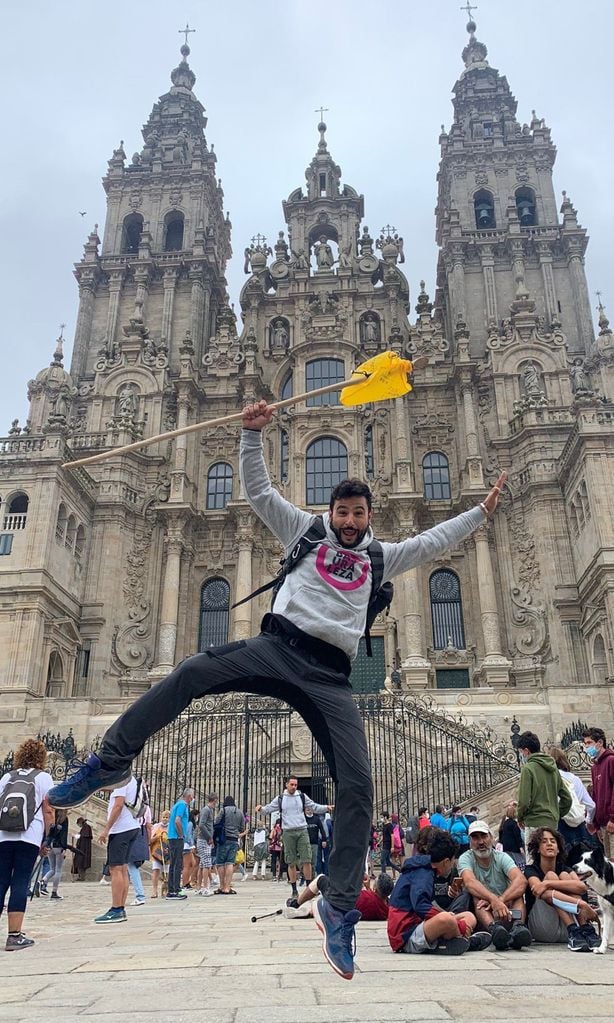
263	916
380	378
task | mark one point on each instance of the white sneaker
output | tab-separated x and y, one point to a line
138	902
103	880
207	892
245	876
215	881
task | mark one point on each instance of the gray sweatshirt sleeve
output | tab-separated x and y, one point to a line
271	807
316	807
399	557
284	519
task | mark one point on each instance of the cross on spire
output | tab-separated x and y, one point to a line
598	294
389	231
324	110
62	325
187	30
258	240
468	8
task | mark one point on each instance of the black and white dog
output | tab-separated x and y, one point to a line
598	874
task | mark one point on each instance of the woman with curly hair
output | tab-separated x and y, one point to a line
556	911
19	849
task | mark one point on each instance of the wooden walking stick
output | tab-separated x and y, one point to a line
384	376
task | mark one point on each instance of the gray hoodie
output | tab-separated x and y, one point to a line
327	594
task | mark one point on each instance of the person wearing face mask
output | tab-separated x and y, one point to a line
602	775
543	797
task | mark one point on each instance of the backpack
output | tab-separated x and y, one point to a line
219	830
459	829
141	800
576	814
381	593
397	838
280	800
19	808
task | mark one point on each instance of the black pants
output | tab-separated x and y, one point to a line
17	861
175	868
269	665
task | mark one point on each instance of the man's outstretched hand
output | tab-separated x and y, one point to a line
257	416
490	503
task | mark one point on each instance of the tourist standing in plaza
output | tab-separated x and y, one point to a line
602	777
292	805
543	797
260	850
177	830
82	859
118	835
138	855
160	853
303	655
229	824
204	844
56	842
23	789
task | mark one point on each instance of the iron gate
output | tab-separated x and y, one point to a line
242	746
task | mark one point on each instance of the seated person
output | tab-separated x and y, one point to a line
372	902
414	924
449	892
555	908
497	887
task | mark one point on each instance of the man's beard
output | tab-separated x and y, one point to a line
482	854
359	536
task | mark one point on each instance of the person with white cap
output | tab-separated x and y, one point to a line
497	887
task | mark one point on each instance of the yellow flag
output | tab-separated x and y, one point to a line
384	376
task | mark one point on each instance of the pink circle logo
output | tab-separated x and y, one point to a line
342	569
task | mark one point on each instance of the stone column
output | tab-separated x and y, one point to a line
414	665
170	603
83	329
170	278
474	462
243	585
142	279
495	667
488	271
545	262
580	293
401	451
458	280
115	287
197	310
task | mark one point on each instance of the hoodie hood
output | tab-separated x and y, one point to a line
544	761
418	862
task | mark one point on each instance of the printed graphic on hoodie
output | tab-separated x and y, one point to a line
343	570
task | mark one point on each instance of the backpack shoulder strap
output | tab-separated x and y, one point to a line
376	556
303	546
302	795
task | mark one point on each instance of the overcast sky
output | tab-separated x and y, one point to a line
78	77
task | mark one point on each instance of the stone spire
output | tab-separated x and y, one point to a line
323	175
474	53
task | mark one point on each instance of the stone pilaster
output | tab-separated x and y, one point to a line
414	665
243	586
495	667
167	638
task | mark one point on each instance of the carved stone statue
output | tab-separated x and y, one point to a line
299	261
345	257
370	329
580	382
531	381
127	402
280	335
323	253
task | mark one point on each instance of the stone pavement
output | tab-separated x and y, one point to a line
202	959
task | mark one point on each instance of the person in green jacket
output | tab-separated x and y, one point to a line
543	797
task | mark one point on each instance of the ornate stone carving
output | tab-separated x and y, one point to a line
390	245
225	354
130	646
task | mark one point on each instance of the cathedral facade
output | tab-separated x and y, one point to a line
110	575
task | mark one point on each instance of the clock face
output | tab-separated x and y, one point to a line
279	269
368	264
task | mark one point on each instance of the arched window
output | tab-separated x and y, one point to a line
60	526
17	513
284	455
326	465
173	232
319	373
446	610
600	661
131	234
525	205
287	387
436	477
369	459
219	485
71	533
79	542
55	675
484	207
214	604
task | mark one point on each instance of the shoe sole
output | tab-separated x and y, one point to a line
454	947
113	920
322	929
67	805
581	948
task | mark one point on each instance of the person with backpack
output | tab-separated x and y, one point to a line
119	834
291	806
228	826
57	844
543	797
332	582
458	826
573	826
25	817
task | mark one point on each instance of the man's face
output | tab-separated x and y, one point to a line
291	786
443	867
350	518
595	743
481	844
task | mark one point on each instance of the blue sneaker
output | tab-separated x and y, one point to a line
339	944
88	778
112	916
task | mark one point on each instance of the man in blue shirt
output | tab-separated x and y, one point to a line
177	829
438	820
